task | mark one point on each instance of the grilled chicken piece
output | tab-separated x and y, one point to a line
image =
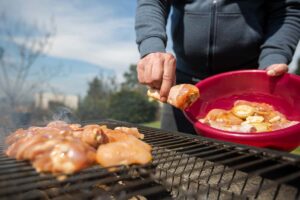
131	131
19	148
93	135
68	148
53	129
69	156
64	154
59	125
18	134
117	136
180	96
124	152
90	134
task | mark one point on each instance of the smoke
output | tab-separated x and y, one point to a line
64	114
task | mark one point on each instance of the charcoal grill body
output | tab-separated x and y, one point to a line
184	167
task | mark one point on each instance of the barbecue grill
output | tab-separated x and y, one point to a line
184	167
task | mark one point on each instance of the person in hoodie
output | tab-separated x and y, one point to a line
210	37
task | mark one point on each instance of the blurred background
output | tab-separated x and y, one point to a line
72	60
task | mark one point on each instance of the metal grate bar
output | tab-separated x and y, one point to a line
165	143
159	139
238	158
268	169
251	163
11	165
289	177
18	175
183	146
222	155
187	148
14	170
194	152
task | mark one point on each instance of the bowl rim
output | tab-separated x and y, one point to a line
246	71
214	131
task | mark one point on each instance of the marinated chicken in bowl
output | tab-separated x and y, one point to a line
246	116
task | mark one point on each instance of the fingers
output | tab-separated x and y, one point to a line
168	78
148	72
157	70
277	69
157	73
140	71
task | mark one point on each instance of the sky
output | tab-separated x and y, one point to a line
91	37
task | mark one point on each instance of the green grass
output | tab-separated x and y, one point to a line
155	124
296	151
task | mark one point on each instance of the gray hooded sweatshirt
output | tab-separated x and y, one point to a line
213	36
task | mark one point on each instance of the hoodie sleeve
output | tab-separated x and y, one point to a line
150	25
282	32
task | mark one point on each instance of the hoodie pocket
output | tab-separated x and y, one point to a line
237	41
191	37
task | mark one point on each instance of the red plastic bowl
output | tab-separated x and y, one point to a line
220	91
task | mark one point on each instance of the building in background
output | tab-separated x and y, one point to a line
44	99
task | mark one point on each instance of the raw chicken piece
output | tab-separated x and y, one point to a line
90	134
255	119
64	154
116	136
18	134
259	108
243	111
180	96
223	117
125	152
19	148
247	116
262	127
93	135
131	131
243	128
59	125
69	156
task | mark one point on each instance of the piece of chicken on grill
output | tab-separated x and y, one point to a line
56	154
128	150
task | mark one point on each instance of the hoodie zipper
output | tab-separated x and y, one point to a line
212	35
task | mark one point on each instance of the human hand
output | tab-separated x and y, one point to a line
157	70
277	69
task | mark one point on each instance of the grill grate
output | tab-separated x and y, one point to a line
184	167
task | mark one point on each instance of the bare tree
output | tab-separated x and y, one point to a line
22	44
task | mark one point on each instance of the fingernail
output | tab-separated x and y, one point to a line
271	72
